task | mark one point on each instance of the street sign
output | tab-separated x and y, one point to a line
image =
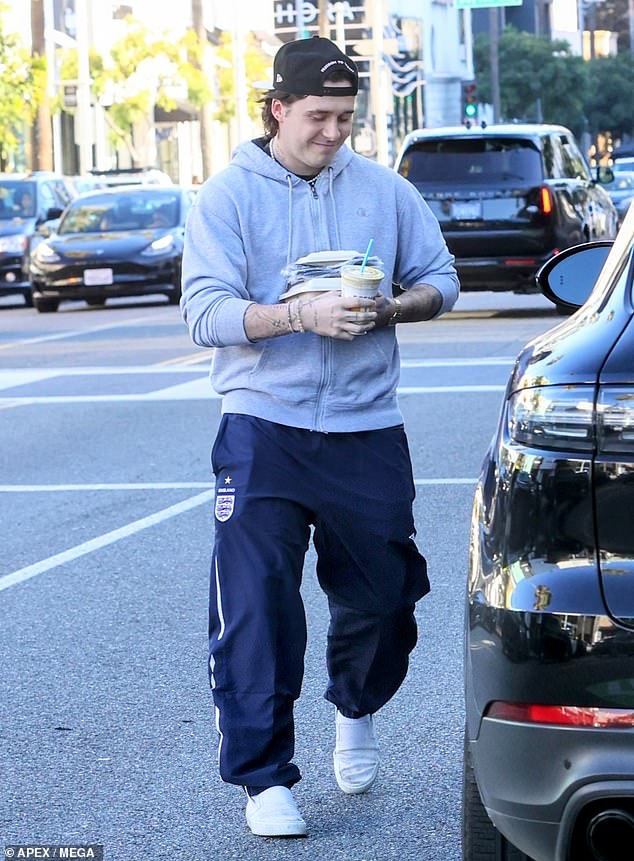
485	4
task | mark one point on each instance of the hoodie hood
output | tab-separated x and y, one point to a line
251	157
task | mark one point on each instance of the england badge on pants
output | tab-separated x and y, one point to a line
224	506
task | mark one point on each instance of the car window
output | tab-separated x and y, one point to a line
62	193
121	212
47	197
572	163
473	161
17	199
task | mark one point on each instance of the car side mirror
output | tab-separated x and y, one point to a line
47	228
53	213
568	278
605	174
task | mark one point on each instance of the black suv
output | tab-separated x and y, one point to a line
26	201
507	197
549	633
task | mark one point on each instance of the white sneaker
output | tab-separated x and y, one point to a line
356	756
273	813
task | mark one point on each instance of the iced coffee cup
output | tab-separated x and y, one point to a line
360	281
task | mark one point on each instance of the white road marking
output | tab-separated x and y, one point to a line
200	390
165	485
64	488
115	535
476	361
77	333
103	540
9	379
193	389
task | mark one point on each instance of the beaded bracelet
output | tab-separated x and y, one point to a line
295	316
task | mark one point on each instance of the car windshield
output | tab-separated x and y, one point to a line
473	161
17	199
99	213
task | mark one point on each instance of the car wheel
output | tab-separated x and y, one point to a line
94	302
174	298
28	299
46	306
481	841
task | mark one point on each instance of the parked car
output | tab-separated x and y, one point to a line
621	191
26	201
113	242
131	176
507	197
549	623
85	182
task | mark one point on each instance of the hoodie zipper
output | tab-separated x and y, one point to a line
312	183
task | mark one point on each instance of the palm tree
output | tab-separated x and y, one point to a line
41	132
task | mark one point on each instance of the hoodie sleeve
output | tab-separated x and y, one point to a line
423	256
214	297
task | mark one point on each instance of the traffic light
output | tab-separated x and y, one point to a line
469	102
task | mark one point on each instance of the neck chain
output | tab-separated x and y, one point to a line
275	157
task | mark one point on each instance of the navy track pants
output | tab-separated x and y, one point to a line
272	483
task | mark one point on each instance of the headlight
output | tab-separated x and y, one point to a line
553	417
13	244
46	253
160	246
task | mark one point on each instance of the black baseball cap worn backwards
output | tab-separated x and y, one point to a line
301	68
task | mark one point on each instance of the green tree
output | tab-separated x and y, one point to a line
22	84
257	66
540	79
610	102
143	70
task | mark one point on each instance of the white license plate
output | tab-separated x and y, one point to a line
467	211
97	277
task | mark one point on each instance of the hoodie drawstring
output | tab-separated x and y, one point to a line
331	194
289	247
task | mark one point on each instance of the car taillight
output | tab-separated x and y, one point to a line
562	715
546	201
615	419
553	417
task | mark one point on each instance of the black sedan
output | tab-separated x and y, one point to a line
549	633
118	242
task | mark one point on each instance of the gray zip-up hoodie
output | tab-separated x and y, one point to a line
253	218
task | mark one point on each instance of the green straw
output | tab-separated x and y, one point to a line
367	254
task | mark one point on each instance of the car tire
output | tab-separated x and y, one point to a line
174	298
95	303
28	299
46	306
481	841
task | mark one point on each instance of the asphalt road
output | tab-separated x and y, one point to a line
106	730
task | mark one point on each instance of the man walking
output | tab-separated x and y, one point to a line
311	433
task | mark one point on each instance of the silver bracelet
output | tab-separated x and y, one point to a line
397	313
